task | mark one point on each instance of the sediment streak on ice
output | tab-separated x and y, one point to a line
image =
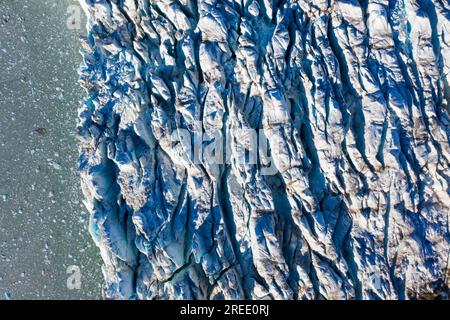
351	95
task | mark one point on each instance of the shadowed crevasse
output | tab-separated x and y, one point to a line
351	99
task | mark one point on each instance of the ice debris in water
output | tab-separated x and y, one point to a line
351	99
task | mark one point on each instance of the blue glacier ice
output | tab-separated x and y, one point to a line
351	99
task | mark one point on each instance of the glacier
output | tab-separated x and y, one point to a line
344	194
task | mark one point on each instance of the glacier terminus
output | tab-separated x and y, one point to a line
268	149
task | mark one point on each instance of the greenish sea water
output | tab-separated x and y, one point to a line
43	223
